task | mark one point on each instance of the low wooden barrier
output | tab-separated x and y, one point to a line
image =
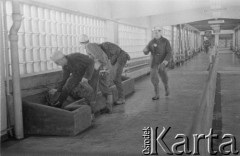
203	114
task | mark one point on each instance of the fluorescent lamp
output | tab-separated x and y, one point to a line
216	22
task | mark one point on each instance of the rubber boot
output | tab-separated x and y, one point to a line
120	101
92	104
110	103
156	89
167	91
92	117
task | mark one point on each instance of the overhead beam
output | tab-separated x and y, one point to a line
191	27
178	18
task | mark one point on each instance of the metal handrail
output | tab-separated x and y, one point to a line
143	58
133	67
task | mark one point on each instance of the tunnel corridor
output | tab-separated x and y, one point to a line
196	42
122	130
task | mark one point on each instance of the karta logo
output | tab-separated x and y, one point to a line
152	141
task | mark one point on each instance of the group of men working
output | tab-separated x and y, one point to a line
94	68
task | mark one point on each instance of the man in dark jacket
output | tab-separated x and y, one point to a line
160	56
76	67
206	44
102	66
118	59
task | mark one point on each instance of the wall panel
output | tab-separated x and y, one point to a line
45	30
132	39
167	33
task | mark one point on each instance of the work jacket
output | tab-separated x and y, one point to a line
160	50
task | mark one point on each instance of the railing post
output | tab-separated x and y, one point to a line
13	36
172	37
216	40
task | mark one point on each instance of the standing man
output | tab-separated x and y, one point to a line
76	68
118	59
160	56
102	65
206	44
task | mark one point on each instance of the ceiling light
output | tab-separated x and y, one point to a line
216	22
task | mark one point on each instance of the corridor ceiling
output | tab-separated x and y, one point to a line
209	8
160	12
228	24
171	12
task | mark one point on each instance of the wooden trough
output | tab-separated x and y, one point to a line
40	119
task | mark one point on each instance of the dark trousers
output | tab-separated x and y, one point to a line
71	83
101	82
206	49
94	82
117	73
104	84
156	72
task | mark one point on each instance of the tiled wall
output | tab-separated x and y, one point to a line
132	39
45	30
167	33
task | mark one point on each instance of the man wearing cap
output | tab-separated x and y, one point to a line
102	65
76	67
118	59
207	48
160	50
206	44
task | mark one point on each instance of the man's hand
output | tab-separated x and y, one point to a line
84	80
103	72
146	51
162	67
165	62
97	64
52	91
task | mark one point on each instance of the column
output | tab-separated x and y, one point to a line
13	36
172	36
216	43
2	78
180	39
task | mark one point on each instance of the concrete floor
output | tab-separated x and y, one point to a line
228	61
230	103
121	133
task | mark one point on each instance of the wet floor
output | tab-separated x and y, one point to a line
229	102
228	61
121	133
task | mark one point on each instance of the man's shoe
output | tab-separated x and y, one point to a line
155	98
120	102
105	111
110	103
